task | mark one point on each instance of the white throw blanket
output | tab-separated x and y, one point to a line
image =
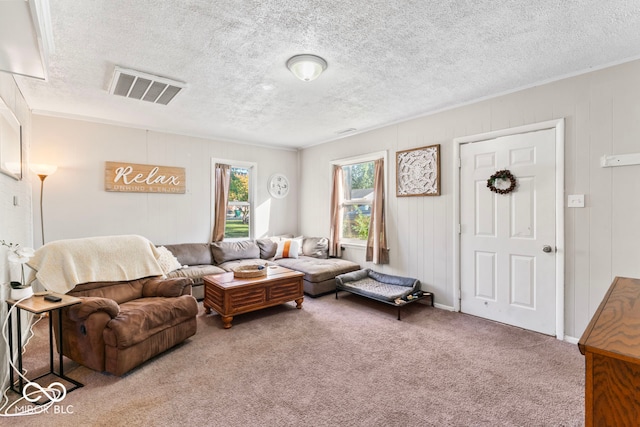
63	264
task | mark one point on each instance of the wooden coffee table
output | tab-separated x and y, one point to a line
230	296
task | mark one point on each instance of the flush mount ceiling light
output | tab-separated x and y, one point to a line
306	67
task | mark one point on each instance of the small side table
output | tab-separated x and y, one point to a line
38	305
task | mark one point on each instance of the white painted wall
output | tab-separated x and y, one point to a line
15	221
602	117
602	112
76	204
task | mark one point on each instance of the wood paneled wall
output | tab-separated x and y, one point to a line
77	205
602	112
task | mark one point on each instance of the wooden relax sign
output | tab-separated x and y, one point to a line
134	178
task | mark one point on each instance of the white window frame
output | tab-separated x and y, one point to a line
351	161
252	167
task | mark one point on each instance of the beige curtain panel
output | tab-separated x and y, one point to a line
336	221
222	180
377	250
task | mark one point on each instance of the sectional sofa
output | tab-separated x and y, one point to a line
197	260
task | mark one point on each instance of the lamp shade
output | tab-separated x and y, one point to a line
46	170
306	67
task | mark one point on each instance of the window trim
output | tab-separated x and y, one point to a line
351	161
253	193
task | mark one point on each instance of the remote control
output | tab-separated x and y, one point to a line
52	298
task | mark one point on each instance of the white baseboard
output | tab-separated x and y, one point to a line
571	340
444	307
567	338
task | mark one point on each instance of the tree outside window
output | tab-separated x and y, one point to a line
358	198
239	205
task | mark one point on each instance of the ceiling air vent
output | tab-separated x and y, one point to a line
147	87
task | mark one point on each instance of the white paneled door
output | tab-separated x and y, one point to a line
507	241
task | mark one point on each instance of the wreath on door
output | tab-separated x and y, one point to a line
502	175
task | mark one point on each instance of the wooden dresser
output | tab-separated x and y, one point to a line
611	346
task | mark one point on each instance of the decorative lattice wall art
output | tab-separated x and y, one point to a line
418	172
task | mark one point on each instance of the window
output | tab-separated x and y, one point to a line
356	201
235	206
238	221
357	205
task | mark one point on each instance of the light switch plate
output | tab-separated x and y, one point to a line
575	200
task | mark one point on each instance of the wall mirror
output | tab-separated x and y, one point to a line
10	143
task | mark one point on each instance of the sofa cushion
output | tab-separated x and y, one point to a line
317	247
173	287
267	247
191	253
150	315
196	272
318	270
118	291
229	251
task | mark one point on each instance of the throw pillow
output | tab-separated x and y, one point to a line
166	260
316	247
279	237
267	247
299	239
288	248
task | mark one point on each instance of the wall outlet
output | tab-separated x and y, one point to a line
575	201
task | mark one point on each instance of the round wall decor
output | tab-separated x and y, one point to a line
506	175
278	186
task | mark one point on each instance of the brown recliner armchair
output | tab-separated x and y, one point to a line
119	325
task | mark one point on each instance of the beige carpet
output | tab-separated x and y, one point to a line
345	362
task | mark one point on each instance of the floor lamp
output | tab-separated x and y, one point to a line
43	171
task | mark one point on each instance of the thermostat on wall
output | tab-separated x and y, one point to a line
575	201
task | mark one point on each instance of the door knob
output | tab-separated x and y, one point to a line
546	249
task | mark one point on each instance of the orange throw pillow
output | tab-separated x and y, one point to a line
288	248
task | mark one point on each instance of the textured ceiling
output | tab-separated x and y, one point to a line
388	60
